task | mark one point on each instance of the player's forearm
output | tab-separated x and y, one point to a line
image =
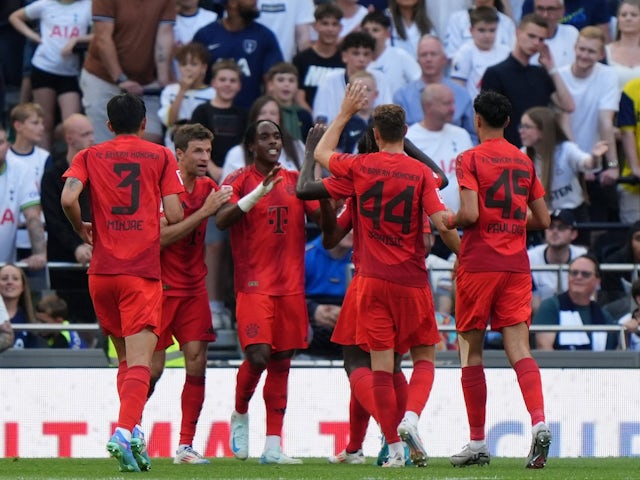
329	141
228	215
307	187
170	234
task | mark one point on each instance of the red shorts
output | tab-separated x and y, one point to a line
126	305
504	298
344	331
186	318
394	316
280	321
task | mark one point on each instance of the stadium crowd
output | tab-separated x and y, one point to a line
251	70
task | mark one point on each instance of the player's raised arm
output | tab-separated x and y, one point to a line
354	100
307	187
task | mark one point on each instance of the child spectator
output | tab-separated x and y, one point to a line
398	66
361	121
458	29
28	125
357	52
322	57
55	67
220	115
179	100
409	22
282	84
53	309
474	57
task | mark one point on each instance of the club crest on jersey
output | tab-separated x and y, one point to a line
252	330
249	46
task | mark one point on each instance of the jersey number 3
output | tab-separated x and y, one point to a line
130	180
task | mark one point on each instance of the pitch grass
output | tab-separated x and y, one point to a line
319	469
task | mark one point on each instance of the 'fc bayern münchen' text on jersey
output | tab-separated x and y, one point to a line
183	267
127	178
506	182
392	192
268	242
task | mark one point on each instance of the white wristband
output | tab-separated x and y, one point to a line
552	71
249	201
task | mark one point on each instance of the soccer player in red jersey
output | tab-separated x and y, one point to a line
129	178
268	235
357	362
393	193
185	308
500	197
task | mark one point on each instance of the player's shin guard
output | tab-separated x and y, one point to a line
246	382
474	389
420	386
192	400
275	394
531	386
361	381
134	396
386	405
402	393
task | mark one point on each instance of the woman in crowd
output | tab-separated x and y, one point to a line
16	294
409	22
624	53
559	162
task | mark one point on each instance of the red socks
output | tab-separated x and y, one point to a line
420	386
361	381
192	400
474	388
133	396
402	393
275	394
384	395
246	382
531	386
358	423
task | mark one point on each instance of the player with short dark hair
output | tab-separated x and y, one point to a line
500	198
185	305
129	178
393	192
268	240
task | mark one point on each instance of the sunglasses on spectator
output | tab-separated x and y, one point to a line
581	273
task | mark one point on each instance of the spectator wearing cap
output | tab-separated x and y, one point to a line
576	307
558	249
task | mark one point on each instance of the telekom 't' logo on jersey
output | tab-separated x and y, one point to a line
279	217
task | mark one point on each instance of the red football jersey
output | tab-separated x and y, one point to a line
506	182
127	178
268	242
183	267
393	191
